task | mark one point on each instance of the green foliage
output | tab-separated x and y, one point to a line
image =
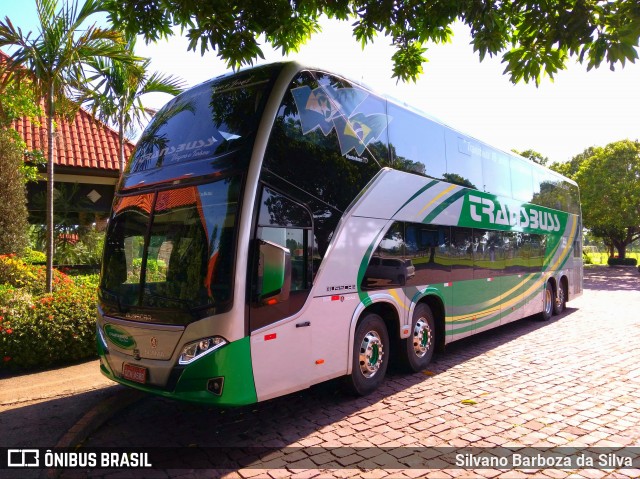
118	98
86	250
54	62
17	274
534	156
13	207
39	329
611	208
613	261
535	38
32	256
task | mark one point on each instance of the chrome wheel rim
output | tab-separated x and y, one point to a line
371	354
548	304
560	298
421	338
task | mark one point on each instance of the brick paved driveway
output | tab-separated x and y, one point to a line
572	381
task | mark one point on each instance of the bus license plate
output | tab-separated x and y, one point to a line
134	373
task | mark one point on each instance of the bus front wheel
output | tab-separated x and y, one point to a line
370	355
417	350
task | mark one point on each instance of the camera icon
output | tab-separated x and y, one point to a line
23	458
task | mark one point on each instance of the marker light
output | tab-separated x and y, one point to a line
197	349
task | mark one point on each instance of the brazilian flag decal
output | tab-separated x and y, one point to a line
328	108
360	130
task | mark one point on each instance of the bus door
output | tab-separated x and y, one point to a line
281	280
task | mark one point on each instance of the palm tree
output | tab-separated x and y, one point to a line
117	97
55	62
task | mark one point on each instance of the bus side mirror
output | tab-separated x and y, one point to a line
274	273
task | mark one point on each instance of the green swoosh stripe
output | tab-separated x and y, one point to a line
443	206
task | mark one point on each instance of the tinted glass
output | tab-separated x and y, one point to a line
388	266
277	209
464	161
488	253
416	143
185	260
287	223
327	143
496	172
553	192
428	248
204	122
461	254
521	179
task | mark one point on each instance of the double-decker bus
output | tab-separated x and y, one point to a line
283	226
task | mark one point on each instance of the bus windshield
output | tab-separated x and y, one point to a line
173	249
205	122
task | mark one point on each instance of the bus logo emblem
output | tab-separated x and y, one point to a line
154	342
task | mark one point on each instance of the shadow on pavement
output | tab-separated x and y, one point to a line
43	424
606	278
281	422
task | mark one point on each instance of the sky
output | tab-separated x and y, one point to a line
559	118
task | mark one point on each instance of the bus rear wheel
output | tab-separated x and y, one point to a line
560	303
417	350
370	356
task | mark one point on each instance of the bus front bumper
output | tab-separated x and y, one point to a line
222	378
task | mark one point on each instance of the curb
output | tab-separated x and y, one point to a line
93	419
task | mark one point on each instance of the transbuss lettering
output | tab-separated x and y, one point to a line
487	210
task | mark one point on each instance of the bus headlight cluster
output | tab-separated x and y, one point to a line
197	349
103	340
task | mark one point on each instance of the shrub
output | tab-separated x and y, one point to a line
13	207
17	274
32	256
622	261
38	329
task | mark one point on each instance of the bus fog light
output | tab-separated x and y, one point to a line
215	385
197	349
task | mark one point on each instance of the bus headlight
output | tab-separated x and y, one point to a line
197	349
103	340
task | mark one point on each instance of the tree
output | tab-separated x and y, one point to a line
534	156
570	168
54	62
609	180
118	95
534	38
17	102
13	207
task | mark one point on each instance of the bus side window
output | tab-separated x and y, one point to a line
289	224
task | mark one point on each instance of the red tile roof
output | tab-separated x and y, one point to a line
84	142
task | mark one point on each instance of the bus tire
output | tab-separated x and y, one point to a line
417	350
370	356
560	302
548	301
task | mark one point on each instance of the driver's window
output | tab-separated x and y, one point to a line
289	224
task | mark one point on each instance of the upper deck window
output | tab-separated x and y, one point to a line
204	122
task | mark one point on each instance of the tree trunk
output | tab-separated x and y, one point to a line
121	158
50	168
621	246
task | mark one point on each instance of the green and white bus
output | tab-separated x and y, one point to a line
283	226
